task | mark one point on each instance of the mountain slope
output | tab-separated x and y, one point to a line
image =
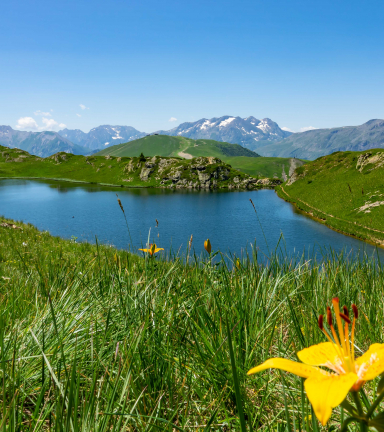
101	136
237	156
163	145
319	142
41	144
345	190
248	132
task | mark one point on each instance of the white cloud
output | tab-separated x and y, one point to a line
172	119
78	115
26	123
30	124
51	125
83	107
42	113
287	129
307	128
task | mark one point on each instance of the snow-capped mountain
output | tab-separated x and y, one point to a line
102	136
248	132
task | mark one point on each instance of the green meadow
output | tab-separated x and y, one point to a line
98	339
345	190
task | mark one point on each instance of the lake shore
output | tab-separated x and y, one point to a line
335	223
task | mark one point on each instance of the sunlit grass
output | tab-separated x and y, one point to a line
93	338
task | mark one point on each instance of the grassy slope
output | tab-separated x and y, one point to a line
149	338
96	169
263	166
334	186
237	156
164	145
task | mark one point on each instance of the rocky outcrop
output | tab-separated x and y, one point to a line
197	173
365	159
266	182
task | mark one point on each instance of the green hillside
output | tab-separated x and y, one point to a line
263	166
237	156
156	171
345	190
164	145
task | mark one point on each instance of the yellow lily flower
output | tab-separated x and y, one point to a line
327	390
207	246
152	249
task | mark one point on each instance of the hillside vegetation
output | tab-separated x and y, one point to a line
166	172
237	156
345	190
98	339
164	145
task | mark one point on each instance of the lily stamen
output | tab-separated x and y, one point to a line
336	342
355	316
335	302
327	335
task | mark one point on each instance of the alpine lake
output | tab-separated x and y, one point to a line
83	212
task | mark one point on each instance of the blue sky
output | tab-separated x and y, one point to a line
141	63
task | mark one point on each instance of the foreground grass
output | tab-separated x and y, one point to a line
96	339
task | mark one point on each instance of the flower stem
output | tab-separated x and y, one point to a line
362	417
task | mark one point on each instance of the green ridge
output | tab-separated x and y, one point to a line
345	190
237	156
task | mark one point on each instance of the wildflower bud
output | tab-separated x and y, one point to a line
345	318
329	316
207	246
345	310
355	311
321	322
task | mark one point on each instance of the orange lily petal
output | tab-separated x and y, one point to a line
327	392
321	354
296	368
371	363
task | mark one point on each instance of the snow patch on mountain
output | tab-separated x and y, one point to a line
227	121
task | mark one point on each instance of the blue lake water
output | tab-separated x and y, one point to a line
226	218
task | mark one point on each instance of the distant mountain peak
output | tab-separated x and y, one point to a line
248	131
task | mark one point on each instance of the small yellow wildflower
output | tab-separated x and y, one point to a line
207	246
152	249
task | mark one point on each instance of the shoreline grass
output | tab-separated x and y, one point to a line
94	338
344	190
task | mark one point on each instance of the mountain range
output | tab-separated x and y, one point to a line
263	136
320	142
248	132
101	136
38	143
